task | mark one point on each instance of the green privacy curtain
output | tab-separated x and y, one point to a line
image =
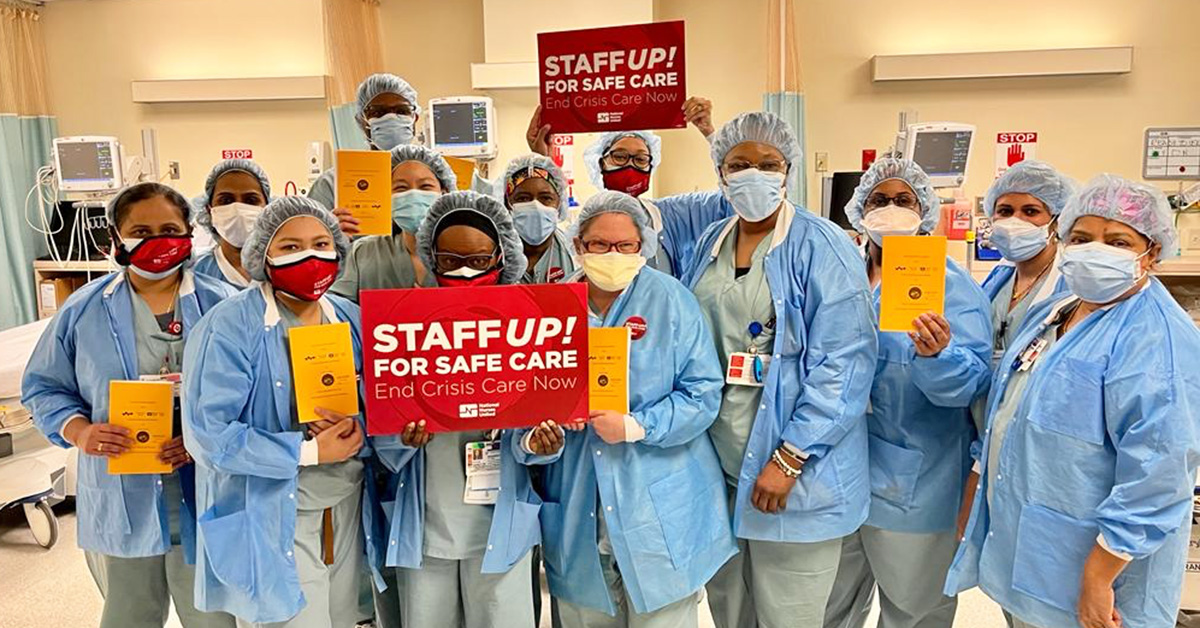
24	147
790	107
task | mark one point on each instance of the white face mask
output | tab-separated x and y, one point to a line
234	221
892	220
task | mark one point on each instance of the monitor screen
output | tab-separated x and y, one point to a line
942	153
460	123
83	162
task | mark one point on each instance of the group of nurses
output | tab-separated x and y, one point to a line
139	530
780	450
1082	512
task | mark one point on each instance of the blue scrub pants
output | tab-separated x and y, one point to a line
680	614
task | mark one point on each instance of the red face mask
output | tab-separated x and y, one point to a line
489	278
629	180
155	257
305	275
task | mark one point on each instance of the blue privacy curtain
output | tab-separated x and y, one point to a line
790	107
26	131
345	129
24	147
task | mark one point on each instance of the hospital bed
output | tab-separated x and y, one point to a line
34	474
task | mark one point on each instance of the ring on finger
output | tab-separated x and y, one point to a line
99	447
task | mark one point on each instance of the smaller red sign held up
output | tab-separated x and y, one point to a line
613	79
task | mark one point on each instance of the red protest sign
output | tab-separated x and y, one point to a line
475	358
613	79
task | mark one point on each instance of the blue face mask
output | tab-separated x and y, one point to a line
1018	240
391	130
534	221
1099	273
754	194
409	208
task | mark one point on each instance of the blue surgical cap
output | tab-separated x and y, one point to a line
511	249
757	126
1036	178
614	202
204	213
905	170
1143	207
533	160
429	157
377	84
596	151
277	212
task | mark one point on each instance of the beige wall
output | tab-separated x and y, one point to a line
96	47
1087	124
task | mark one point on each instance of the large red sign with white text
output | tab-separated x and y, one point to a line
620	78
475	358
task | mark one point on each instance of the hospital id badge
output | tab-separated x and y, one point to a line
483	472
747	369
176	380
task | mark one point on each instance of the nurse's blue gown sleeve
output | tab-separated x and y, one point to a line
685	217
49	388
1151	407
392	452
692	406
962	371
218	386
842	347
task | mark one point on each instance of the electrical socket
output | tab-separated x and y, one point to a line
173	169
1190	239
822	162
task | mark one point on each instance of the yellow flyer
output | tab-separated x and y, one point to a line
608	369
323	370
364	186
914	280
147	410
464	170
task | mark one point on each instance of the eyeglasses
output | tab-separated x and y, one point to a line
600	247
447	262
378	111
620	158
769	165
903	199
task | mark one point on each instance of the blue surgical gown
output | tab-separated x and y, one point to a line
818	382
920	433
1103	444
663	496
237	424
89	343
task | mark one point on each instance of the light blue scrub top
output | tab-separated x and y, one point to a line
378	263
729	305
662	501
454	530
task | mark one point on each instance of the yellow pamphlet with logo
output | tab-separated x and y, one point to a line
364	186
323	374
464	170
608	369
146	409
914	280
